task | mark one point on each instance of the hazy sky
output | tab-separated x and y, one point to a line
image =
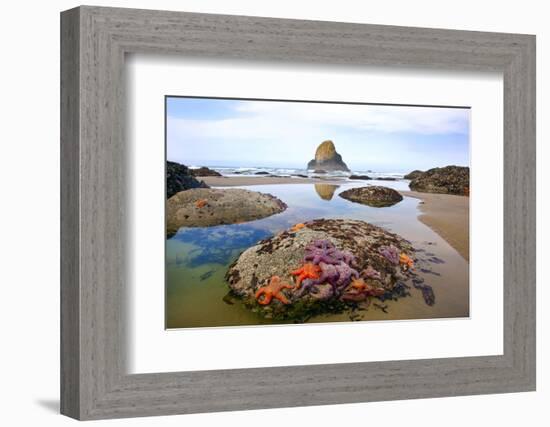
215	132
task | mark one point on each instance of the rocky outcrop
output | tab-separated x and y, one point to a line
204	171
201	207
327	159
375	196
414	174
179	178
362	177
446	180
324	265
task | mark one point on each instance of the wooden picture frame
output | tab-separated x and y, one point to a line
94	41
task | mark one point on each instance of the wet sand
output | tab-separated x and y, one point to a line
448	216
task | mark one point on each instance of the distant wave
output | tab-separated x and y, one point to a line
294	172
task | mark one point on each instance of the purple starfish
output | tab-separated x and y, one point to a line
371	273
390	253
329	275
321	251
322	292
348	258
345	275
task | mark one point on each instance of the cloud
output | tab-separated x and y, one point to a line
388	119
261	131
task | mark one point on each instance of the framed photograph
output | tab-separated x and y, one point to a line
347	211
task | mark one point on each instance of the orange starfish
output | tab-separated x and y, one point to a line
201	203
367	289
307	271
406	261
273	290
297	227
358	284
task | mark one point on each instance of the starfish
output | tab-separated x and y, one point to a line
371	273
297	227
390	253
406	261
273	290
348	258
201	203
358	284
307	271
328	275
345	275
369	290
322	251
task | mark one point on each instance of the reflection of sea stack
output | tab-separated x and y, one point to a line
327	158
326	191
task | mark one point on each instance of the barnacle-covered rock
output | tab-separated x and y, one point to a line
446	180
203	207
333	264
373	195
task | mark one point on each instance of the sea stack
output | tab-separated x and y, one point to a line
326	158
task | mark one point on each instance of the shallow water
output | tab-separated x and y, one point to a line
197	259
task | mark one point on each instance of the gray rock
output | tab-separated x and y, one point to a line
446	180
284	252
203	207
204	171
179	178
374	195
414	174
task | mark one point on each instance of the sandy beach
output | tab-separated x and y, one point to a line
448	216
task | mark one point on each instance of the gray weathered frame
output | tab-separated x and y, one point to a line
94	41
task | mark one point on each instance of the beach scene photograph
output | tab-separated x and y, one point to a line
303	212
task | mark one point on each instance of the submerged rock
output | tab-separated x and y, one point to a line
446	180
374	195
326	265
414	174
179	178
327	159
204	171
203	207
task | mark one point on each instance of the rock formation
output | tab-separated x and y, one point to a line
361	177
414	174
446	180
204	171
327	159
375	196
327	265
179	178
202	207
